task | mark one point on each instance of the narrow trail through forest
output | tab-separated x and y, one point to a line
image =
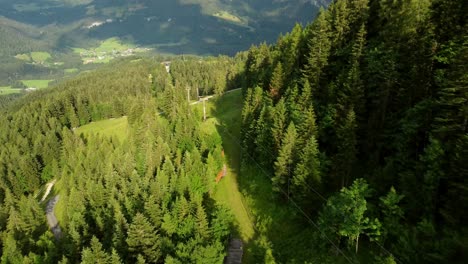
51	218
48	189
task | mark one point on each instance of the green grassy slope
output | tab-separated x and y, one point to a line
117	127
8	90
37	83
227	191
273	231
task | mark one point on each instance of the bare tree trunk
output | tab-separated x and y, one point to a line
357	243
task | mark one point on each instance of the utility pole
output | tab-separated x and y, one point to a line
188	94
204	110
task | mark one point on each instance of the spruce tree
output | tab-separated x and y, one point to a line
284	163
143	238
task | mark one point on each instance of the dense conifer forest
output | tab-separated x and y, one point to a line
361	119
113	208
357	121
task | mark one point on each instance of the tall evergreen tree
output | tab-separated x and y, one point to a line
286	157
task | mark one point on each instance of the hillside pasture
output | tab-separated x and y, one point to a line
39	84
23	57
114	127
8	90
40	56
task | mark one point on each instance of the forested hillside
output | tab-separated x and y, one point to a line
361	119
141	197
352	148
55	40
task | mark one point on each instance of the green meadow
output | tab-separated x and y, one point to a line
37	83
8	90
39	56
114	127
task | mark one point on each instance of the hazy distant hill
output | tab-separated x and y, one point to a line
171	26
52	39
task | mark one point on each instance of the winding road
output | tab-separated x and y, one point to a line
51	218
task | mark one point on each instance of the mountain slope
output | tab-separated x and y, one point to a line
360	118
184	26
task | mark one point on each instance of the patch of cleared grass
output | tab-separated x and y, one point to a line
114	127
227	16
39	84
40	56
79	50
227	191
106	59
24	57
71	70
104	53
272	229
112	44
8	90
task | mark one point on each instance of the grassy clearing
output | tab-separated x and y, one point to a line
114	127
227	191
39	84
71	70
40	56
8	90
227	16
112	44
24	57
79	50
272	228
228	107
107	50
60	207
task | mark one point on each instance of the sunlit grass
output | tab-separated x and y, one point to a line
227	16
112	44
71	70
105	52
114	127
8	90
24	57
40	56
39	84
227	191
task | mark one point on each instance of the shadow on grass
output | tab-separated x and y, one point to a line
227	111
281	233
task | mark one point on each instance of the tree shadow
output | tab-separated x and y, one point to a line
227	111
276	223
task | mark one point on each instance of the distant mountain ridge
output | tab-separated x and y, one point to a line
189	26
58	29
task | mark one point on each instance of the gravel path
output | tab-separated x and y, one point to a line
51	219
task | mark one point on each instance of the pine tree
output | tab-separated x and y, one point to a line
346	148
277	82
289	45
392	213
95	254
284	163
278	123
307	127
319	50
202	223
143	238
305	100
307	173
